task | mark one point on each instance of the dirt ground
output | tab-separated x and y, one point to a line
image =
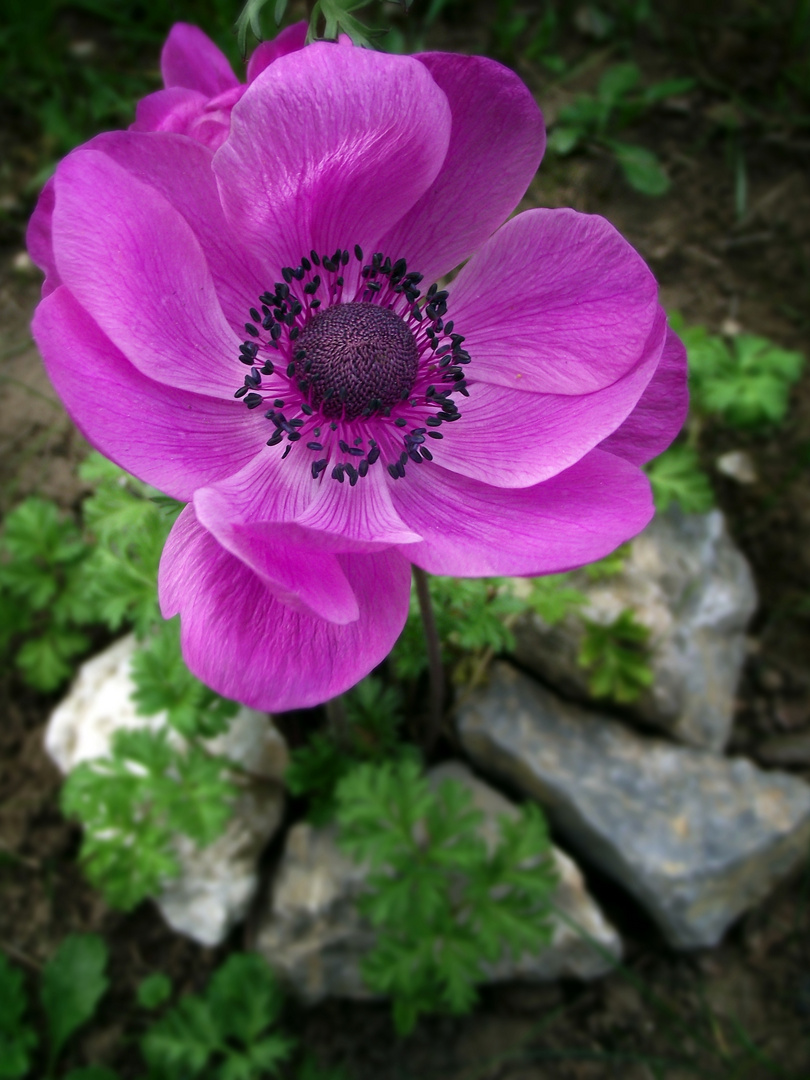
741	1010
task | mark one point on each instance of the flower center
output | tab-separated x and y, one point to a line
357	358
352	365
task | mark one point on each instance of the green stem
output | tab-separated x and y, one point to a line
434	650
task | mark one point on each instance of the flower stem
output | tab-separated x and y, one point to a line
336	719
434	650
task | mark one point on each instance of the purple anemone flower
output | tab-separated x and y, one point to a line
200	87
262	332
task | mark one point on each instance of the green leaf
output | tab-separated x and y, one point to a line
617	82
315	770
73	983
746	381
228	1025
133	803
676	476
17	1037
443	905
616	655
564	138
183	1041
130	522
162	682
47	661
552	598
668	88
245	996
154	991
642	169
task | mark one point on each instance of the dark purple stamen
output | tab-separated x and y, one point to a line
354	362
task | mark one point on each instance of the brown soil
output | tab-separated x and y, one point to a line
741	1010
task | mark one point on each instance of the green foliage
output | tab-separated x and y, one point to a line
315	770
41	558
327	20
619	101
17	1037
226	1034
552	598
70	68
164	683
443	904
616	655
373	715
55	579
676	476
745	380
154	991
133	803
129	522
471	616
73	983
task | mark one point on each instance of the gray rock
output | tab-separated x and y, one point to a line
314	938
693	590
216	884
696	838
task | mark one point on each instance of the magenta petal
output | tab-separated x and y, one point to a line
176	441
309	581
578	516
509	438
181	172
174	110
191	59
496	144
242	641
660	412
135	266
265	489
364	515
322	515
39	238
291	39
328	148
556	302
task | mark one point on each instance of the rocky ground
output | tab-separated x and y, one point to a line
736	1009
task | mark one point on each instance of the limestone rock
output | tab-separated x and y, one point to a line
696	838
315	939
690	586
217	883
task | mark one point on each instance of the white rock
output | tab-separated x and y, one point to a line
314	938
217	883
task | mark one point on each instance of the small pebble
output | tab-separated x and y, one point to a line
23	264
737	465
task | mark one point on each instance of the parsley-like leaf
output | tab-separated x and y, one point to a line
162	682
616	655
442	904
227	1034
132	804
676	476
